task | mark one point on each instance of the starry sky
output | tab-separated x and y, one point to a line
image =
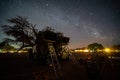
84	21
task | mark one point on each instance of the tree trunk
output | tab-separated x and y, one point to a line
41	49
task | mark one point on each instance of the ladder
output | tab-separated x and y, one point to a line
55	62
68	52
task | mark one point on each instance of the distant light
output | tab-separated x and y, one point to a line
107	50
116	50
80	50
11	51
86	50
109	57
77	50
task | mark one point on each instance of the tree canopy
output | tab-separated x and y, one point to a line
27	35
2	44
22	31
95	46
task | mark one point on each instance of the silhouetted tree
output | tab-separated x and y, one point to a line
95	46
116	46
2	44
21	30
7	47
58	39
27	35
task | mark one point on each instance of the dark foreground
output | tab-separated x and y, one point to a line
19	67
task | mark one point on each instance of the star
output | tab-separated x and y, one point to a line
90	13
46	4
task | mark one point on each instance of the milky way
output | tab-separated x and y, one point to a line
84	21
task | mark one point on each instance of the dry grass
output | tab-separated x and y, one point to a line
18	67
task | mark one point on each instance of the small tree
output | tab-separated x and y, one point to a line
7	47
116	47
95	46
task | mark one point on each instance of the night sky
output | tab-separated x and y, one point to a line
84	21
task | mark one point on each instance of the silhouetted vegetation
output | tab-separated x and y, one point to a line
27	35
95	46
2	44
116	46
7	47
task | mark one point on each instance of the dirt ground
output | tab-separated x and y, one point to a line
19	67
